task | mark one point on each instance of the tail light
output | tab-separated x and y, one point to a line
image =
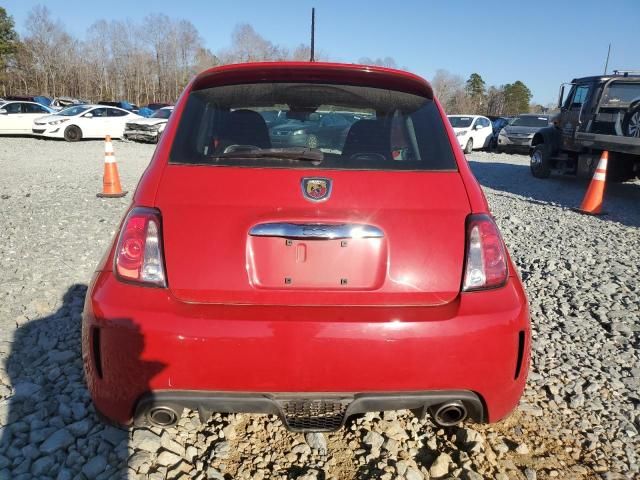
138	257
486	265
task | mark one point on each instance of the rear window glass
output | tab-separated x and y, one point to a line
620	93
305	125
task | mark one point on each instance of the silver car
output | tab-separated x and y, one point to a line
517	135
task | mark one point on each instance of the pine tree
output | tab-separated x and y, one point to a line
8	37
475	86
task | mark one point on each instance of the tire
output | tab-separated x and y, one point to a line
312	141
72	133
469	146
631	123
540	162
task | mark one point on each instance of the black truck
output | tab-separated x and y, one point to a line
598	113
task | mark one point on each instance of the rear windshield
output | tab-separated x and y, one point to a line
460	122
530	121
305	125
620	93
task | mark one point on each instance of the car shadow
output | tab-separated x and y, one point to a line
620	204
48	425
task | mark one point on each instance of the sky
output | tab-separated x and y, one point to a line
542	43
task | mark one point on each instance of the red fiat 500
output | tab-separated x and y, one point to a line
308	241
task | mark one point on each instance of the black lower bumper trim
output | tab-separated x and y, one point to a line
306	411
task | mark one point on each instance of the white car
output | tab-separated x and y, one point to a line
84	121
472	131
148	129
16	117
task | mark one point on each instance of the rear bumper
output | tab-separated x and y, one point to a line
301	412
140	342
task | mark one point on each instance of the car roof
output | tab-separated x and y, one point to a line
354	74
91	106
24	101
7	102
604	78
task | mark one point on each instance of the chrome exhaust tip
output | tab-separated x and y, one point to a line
449	414
163	416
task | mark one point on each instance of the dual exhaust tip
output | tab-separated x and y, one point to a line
448	414
163	416
445	414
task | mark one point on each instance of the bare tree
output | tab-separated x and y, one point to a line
448	88
388	62
153	61
247	45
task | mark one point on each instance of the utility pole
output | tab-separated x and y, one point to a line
313	32
606	65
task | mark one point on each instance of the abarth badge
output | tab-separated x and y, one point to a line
316	189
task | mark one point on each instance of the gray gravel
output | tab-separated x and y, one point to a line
579	418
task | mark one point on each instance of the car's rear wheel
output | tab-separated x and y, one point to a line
469	146
540	162
631	122
72	133
312	141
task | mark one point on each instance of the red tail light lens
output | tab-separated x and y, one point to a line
139	257
486	265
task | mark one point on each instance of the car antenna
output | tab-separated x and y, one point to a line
606	65
313	31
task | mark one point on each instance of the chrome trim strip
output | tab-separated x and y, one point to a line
316	230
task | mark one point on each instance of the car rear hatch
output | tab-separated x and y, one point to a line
243	224
245	235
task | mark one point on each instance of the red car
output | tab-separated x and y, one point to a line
311	283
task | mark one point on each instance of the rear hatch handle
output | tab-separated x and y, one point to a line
321	231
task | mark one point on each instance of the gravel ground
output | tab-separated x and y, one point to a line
579	417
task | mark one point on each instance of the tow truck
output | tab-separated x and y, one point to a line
599	113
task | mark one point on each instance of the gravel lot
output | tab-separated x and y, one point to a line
579	418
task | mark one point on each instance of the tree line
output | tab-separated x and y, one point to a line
152	61
145	62
474	97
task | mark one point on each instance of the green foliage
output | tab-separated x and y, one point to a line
8	36
475	86
517	98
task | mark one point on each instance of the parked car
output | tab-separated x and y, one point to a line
517	135
273	117
84	121
156	106
148	129
472	131
60	103
121	104
497	124
317	130
41	99
16	118
306	284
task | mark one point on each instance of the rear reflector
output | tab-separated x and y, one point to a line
138	257
486	265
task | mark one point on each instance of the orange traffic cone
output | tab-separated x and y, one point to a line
111	180
592	202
